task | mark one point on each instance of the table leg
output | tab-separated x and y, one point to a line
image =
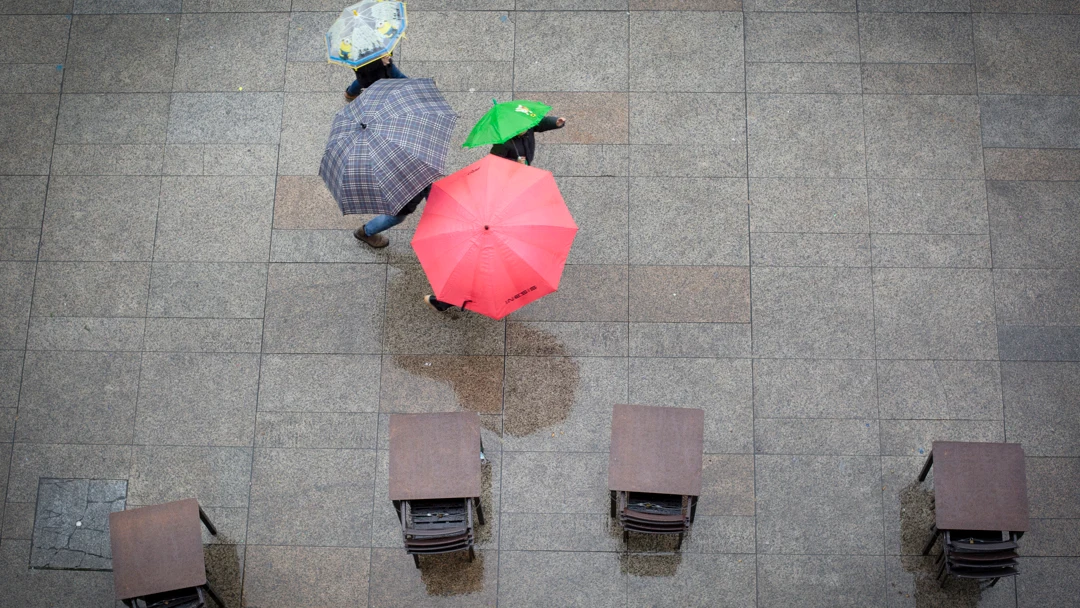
210	591
206	522
926	465
479	511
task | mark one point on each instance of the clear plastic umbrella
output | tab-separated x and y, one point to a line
365	32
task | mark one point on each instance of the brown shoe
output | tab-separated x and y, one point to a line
349	98
377	241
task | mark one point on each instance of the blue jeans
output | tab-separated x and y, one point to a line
385	222
382	222
354	88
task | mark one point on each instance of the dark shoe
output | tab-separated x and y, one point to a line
349	98
377	241
436	304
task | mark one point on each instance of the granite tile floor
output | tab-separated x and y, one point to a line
842	228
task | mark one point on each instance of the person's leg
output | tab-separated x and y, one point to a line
380	223
396	72
369	232
353	91
438	305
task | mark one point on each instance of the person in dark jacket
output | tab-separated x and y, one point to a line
522	147
370	232
367	74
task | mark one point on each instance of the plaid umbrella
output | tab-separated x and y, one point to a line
387	146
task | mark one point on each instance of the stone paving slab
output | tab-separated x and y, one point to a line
803	78
919	79
121	53
802	37
231	52
841	229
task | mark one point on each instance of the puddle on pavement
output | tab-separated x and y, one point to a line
549	398
916	516
646	564
452	573
223	571
550	391
476	381
485	533
546	397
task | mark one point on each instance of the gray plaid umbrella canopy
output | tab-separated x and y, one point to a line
387	146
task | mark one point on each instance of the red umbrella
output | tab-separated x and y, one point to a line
494	236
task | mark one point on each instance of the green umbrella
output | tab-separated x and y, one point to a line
504	121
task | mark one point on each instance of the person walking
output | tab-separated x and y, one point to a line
439	305
366	75
494	237
370	233
522	147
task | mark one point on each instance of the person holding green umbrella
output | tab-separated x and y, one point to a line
510	127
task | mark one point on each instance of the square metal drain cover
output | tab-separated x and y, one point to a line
71	525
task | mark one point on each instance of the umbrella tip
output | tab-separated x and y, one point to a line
487	227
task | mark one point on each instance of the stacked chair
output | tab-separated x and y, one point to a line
192	597
438	526
654	468
435	481
980	506
649	513
978	555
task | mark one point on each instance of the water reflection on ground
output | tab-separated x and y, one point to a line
916	517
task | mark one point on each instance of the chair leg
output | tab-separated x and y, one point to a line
479	511
472	554
612	495
416	560
678	545
933	539
210	591
625	536
206	521
994	582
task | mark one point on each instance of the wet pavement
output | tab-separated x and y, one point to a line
842	229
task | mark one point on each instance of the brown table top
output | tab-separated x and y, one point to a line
434	456
656	449
980	486
157	549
